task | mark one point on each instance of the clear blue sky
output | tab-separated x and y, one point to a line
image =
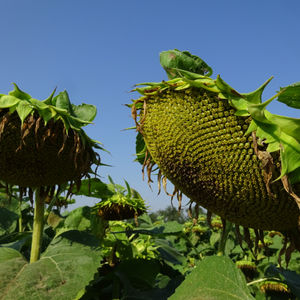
97	51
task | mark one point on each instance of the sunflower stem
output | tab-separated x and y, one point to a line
20	217
38	226
223	240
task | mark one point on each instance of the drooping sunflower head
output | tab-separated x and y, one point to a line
219	147
120	203
42	143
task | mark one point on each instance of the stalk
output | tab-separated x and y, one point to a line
222	242
38	226
20	216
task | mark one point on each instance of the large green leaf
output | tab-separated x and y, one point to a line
291	95
79	219
175	59
214	278
141	272
66	267
11	262
16	240
85	112
168	252
11	203
8	221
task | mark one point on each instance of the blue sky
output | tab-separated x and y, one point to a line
97	51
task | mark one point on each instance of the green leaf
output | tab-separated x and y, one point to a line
24	109
19	93
295	176
171	227
9	203
17	240
49	99
79	218
7	254
63	102
139	271
7	101
11	261
175	59
290	95
128	189
280	133
93	187
140	148
229	246
168	252
111	181
214	278
276	243
256	96
66	267
214	238
85	112
145	221
47	114
8	221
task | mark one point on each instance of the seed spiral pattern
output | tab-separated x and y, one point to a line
199	145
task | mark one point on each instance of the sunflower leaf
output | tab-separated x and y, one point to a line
85	112
19	93
291	95
23	109
175	59
63	101
7	101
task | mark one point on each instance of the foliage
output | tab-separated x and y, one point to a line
67	265
85	257
225	282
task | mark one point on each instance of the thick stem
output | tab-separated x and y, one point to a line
20	224
20	217
38	226
222	242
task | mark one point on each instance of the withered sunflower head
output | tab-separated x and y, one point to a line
248	268
219	147
121	205
42	143
275	288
